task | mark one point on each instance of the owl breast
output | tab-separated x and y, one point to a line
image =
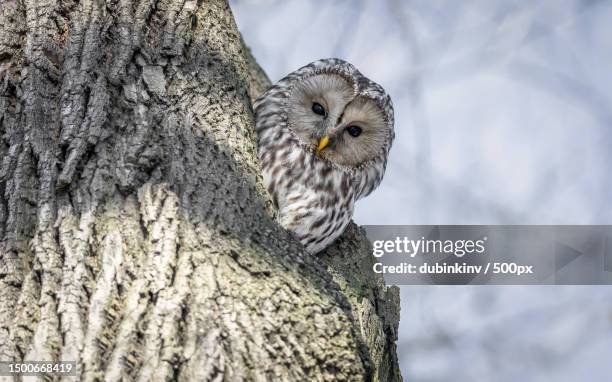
315	200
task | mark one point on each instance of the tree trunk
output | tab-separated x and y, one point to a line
136	236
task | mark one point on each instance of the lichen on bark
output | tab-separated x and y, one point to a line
136	237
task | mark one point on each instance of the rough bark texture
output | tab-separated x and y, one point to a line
136	236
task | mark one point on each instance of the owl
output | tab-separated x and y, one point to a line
324	134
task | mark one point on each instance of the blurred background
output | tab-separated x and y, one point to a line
503	116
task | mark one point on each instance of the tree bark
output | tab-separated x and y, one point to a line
136	237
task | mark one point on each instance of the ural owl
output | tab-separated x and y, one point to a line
324	134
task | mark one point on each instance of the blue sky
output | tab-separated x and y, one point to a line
503	116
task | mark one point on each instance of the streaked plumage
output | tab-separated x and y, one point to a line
326	105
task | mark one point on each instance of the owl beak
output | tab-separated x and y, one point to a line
323	143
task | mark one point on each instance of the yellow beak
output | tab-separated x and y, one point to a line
323	142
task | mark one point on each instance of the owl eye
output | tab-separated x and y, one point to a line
353	130
317	108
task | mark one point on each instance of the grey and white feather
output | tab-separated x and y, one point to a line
324	135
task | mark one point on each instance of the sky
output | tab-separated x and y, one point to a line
502	116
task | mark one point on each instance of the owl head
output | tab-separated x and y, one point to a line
340	119
342	116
